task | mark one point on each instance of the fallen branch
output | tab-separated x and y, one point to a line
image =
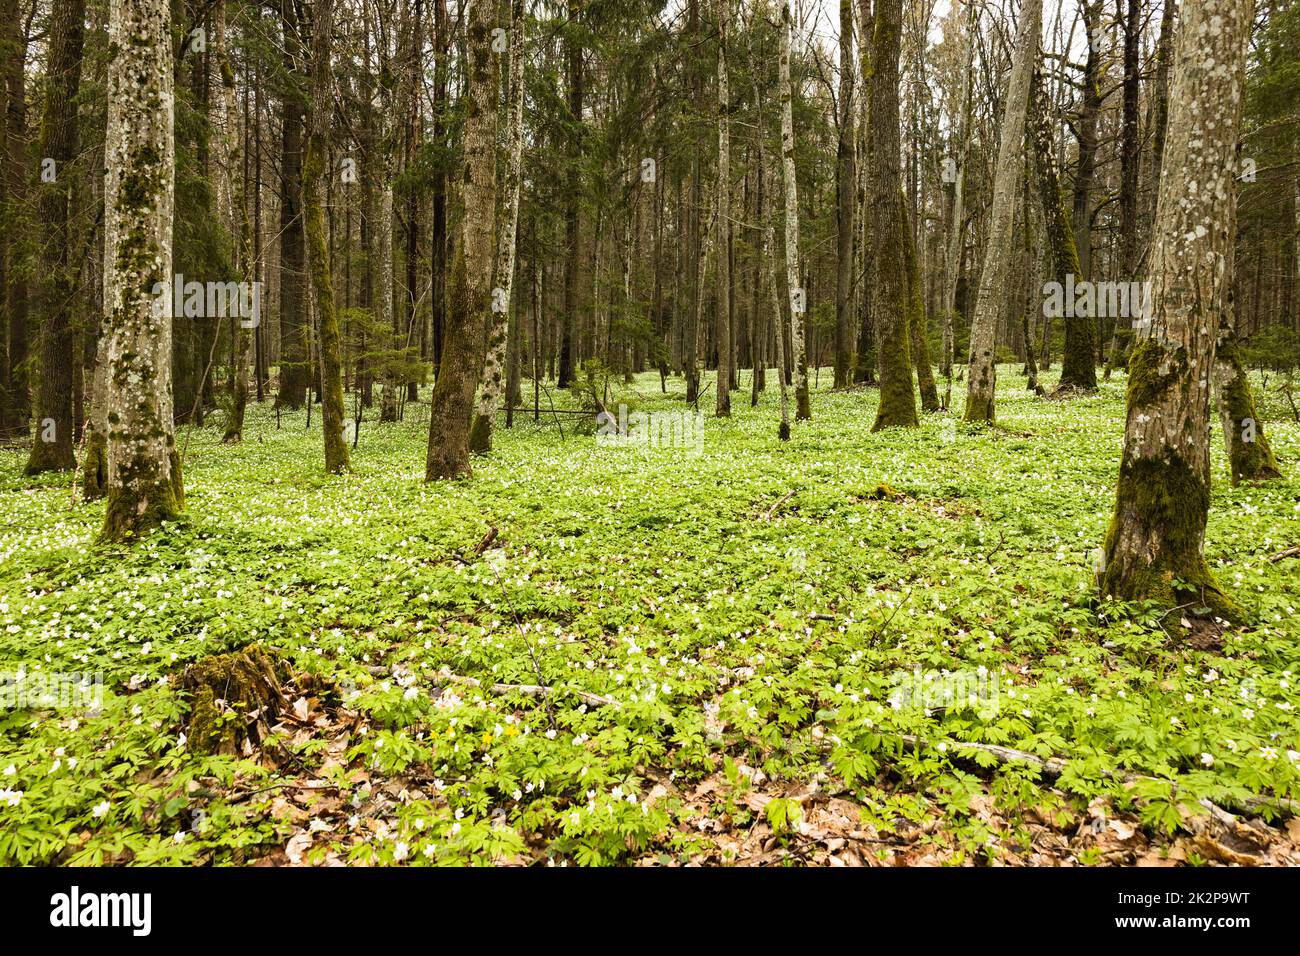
534	690
529	690
487	541
1288	553
777	507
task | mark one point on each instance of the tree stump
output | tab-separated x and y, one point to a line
234	700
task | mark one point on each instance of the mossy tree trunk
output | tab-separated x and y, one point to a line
793	273
52	449
480	435
992	299
1153	548
891	238
918	325
1078	363
322	283
144	474
1250	457
94	441
471	295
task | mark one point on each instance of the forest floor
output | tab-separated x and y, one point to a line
765	653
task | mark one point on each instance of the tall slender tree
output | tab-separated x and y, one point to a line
314	171
52	449
480	436
891	237
471	283
1079	361
982	383
723	324
793	273
845	188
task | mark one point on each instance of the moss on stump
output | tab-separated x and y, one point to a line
233	701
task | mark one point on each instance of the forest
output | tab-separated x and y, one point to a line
627	433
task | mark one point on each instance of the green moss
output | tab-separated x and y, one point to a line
1250	457
1163	505
480	434
917	324
1152	371
248	685
94	467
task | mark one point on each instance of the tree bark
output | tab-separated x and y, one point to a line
294	360
480	436
1250	457
471	295
957	225
15	398
793	274
145	487
1153	548
992	298
845	188
722	405
314	171
890	288
52	449
1079	361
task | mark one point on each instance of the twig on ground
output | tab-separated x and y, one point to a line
777	507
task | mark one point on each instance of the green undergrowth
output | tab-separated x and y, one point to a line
733	621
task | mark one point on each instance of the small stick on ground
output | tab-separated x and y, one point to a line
777	507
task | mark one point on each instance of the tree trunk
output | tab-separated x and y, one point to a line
798	303
864	360
322	282
572	210
845	187
1079	362
471	296
997	259
891	292
723	323
294	360
480	436
1089	111
15	398
94	440
1129	158
234	218
918	327
957	225
1153	548
145	487
1250	458
52	449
